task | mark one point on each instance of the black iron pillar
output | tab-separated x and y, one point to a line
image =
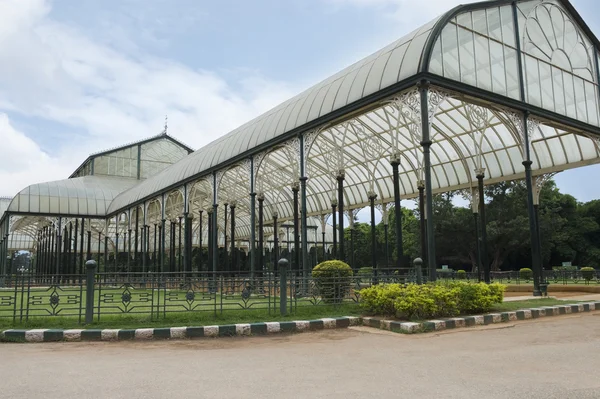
324	251
397	211
209	236
296	191
533	229
275	239
179	252
372	197
334	217
234	262
478	243
136	241
422	219
340	180
200	255
387	247
80	268
75	237
480	173
305	255
116	250
225	249
352	255
261	233
426	144
215	238
88	255
187	251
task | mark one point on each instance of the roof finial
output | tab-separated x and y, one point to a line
166	125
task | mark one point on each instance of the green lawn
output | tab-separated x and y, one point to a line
194	318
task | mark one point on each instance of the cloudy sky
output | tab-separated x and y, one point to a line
86	75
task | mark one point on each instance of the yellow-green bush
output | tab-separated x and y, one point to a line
414	301
333	279
526	273
461	274
379	299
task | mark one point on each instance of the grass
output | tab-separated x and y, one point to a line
174	319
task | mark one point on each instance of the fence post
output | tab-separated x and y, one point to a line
283	265
418	263
90	267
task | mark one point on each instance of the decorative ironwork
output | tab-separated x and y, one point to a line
563	45
538	183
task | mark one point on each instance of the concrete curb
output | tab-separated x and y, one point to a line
74	335
467	321
228	330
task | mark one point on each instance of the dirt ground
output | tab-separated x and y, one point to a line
545	358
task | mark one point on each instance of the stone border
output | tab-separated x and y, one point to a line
55	335
229	330
481	320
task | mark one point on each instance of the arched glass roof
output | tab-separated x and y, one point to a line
479	46
85	196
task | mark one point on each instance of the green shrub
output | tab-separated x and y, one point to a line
479	297
526	273
432	300
333	279
461	274
416	302
379	299
588	273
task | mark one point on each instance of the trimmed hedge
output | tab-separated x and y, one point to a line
588	273
432	300
333	280
526	273
461	274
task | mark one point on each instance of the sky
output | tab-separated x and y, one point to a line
81	76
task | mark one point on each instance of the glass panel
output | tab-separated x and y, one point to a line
546	86
494	23
466	52
435	63
484	74
559	95
480	22
450	47
532	81
508	26
591	94
569	95
498	73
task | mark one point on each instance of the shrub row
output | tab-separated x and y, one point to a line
427	301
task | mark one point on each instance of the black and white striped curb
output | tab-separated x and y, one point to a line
467	321
51	335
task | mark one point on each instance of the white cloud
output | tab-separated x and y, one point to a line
24	161
56	73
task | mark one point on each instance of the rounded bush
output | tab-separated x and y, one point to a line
588	273
461	274
333	279
526	273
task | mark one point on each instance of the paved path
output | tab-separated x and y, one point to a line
545	358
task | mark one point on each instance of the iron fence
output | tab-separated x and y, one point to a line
25	297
